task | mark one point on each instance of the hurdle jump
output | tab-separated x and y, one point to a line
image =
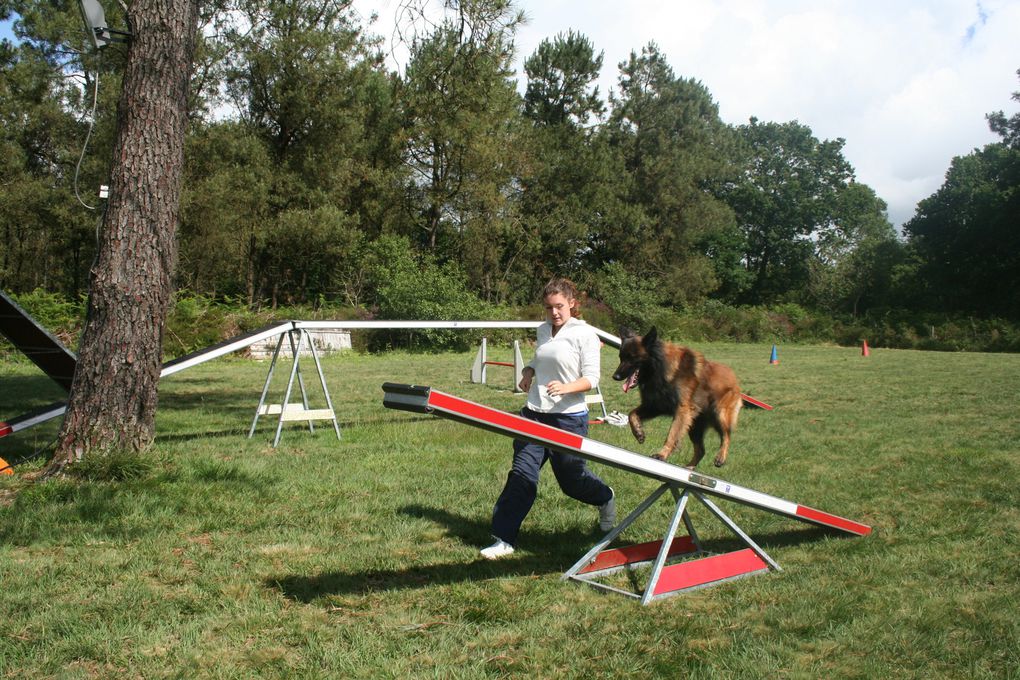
683	484
482	362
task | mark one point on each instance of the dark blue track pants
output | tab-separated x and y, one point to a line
572	474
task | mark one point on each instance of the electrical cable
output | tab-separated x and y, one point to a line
88	136
32	456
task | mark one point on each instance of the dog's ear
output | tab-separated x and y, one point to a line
650	337
625	333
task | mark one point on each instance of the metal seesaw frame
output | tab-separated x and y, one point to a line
684	484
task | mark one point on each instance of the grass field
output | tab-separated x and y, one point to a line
226	558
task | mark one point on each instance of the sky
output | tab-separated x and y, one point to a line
907	84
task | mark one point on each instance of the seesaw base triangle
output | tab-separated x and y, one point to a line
700	569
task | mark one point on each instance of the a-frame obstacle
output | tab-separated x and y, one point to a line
683	484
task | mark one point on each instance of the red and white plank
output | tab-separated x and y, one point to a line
423	399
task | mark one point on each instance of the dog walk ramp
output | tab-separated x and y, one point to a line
177	365
683	485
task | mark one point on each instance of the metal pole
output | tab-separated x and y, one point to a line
687	521
301	382
265	388
616	531
290	385
660	560
735	529
325	390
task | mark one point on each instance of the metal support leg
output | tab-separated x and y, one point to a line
295	412
301	382
724	518
660	560
616	531
265	388
325	390
290	386
688	524
695	570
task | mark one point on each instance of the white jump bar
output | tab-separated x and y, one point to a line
608	338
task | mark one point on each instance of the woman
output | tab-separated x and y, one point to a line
566	365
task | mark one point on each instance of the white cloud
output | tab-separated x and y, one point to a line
907	84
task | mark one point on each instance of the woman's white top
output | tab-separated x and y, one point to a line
572	353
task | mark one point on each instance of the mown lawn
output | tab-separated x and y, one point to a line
228	558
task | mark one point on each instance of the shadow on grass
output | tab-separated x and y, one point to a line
546	552
267	426
191	436
222	399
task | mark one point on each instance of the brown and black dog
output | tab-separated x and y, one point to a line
678	381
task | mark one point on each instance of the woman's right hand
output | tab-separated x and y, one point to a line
527	376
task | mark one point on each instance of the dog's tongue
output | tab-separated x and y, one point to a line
630	382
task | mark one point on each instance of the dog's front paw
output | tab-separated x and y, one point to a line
662	455
719	463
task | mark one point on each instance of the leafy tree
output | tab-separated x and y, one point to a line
316	110
677	154
570	183
789	196
967	234
855	254
47	101
225	207
967	237
560	90
462	128
411	285
1007	128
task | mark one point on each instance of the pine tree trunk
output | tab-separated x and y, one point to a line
113	396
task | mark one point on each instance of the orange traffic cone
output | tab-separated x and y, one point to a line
865	352
6	469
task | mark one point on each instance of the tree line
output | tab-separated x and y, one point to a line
314	173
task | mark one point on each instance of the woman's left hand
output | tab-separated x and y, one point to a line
555	388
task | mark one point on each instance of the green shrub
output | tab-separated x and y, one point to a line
413	286
61	317
410	287
634	300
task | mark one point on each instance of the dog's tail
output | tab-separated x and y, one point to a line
731	408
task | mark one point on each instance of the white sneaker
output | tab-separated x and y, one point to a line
607	512
498	550
617	419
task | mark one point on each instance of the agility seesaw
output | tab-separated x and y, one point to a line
704	569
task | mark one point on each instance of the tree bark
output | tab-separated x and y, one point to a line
113	397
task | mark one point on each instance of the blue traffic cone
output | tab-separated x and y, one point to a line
774	359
